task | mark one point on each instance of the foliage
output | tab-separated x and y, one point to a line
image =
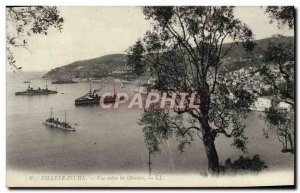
281	123
282	14
134	57
244	164
281	57
184	50
22	22
159	125
279	53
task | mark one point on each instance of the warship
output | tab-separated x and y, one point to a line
112	98
52	122
39	91
62	81
92	98
89	98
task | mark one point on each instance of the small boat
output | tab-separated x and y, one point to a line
59	81
52	122
26	81
112	98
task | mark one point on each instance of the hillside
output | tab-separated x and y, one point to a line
237	58
105	65
96	67
261	45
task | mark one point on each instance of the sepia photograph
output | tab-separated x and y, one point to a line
150	96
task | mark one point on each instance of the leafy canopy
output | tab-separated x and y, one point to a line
184	50
22	22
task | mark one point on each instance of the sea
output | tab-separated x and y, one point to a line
107	140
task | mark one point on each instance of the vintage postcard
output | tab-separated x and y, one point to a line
159	96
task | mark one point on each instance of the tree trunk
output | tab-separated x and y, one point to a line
208	136
291	144
212	155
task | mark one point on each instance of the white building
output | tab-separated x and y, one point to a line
151	81
261	104
284	105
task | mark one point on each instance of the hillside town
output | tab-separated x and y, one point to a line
251	80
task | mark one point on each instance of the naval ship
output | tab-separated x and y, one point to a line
63	81
92	98
52	122
89	98
39	91
112	98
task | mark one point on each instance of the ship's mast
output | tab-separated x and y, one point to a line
46	85
51	113
65	116
90	88
114	90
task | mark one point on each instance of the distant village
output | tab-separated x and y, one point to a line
251	78
252	81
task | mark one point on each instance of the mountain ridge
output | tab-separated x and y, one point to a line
104	65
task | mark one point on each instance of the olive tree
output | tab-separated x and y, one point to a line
281	56
185	49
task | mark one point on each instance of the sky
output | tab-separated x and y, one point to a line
90	32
